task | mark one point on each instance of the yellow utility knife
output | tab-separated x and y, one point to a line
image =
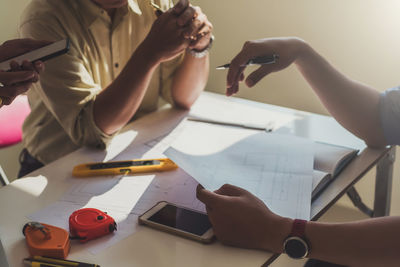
123	167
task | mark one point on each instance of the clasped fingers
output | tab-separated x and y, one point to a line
9	92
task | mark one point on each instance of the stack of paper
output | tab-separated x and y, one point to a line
276	168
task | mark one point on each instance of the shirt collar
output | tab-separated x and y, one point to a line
91	12
134	6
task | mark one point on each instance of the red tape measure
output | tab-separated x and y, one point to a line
87	224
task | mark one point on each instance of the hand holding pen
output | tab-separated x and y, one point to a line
273	54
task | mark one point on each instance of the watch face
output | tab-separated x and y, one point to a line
295	247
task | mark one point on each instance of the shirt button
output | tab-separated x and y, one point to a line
116	65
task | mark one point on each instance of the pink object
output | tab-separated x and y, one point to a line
11	119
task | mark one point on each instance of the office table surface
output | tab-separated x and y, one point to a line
149	247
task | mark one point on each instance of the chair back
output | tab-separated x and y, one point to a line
11	119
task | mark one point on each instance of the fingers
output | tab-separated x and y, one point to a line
199	31
9	78
39	66
258	74
26	65
181	6
206	196
236	67
234	87
186	17
9	93
230	190
195	24
193	29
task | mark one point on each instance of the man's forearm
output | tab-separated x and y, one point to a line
353	104
116	105
190	80
373	242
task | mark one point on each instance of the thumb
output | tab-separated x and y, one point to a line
12	77
258	74
230	190
207	197
180	7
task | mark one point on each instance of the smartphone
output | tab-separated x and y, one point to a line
180	221
44	53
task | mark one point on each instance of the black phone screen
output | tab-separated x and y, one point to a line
186	220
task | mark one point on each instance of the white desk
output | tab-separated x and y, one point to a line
148	247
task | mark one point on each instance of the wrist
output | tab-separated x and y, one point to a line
303	51
281	228
149	55
203	51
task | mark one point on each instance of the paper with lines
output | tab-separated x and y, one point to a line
276	168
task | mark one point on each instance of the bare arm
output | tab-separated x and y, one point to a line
240	219
372	242
192	76
190	80
116	105
353	104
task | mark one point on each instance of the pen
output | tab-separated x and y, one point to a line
157	9
62	262
267	128
262	60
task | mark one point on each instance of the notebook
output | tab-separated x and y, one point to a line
329	161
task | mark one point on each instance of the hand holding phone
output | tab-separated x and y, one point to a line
178	220
18	73
17	47
40	54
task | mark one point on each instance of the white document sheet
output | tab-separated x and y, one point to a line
276	168
219	108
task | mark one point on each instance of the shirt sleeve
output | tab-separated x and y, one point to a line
67	88
389	108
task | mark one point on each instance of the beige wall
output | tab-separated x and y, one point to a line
10	11
360	37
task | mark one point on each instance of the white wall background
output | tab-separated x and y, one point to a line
360	37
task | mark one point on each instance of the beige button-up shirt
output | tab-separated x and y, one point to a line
62	104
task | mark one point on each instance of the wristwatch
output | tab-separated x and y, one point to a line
296	245
202	53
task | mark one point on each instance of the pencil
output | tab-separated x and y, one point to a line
156	7
263	60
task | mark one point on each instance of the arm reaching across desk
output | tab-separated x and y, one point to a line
359	108
240	219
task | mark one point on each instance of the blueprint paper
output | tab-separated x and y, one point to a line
276	168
